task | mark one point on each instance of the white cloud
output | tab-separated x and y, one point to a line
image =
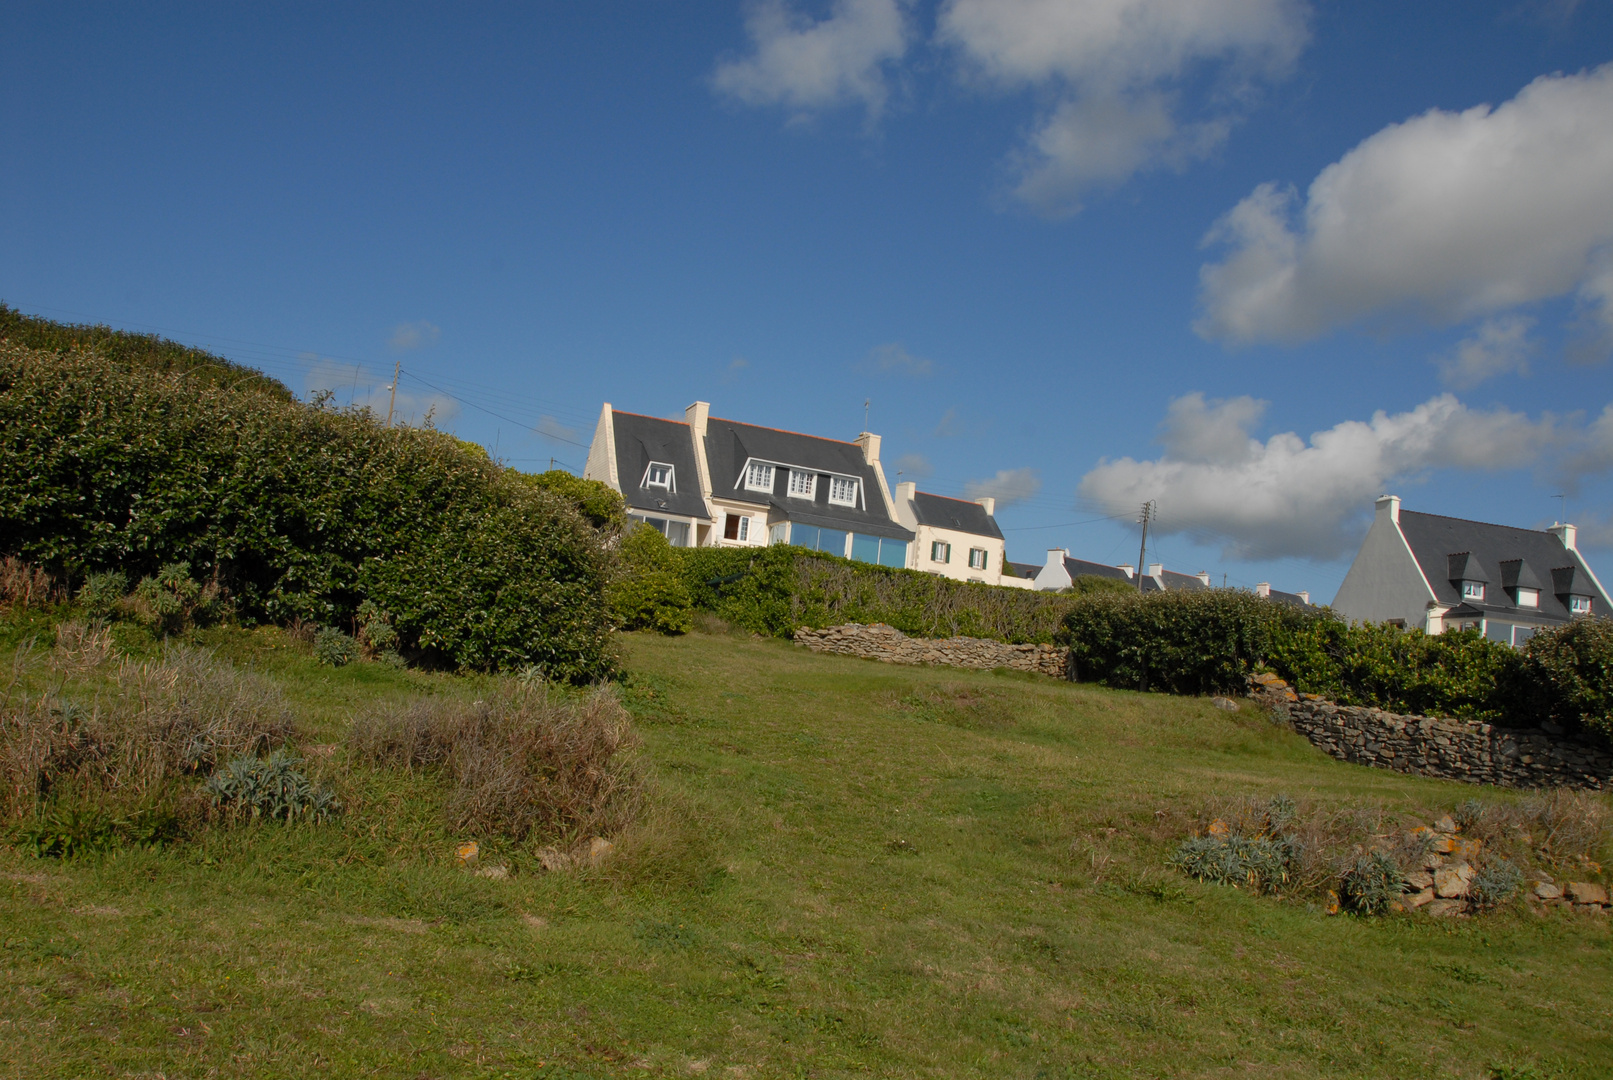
1500	346
413	335
550	428
949	427
914	466
894	359
1442	218
1112	63
1288	496
1008	487
352	385
805	65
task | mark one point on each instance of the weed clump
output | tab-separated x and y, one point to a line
1259	863
274	788
24	586
334	648
1372	884
171	601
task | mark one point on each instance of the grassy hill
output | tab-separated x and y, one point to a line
844	869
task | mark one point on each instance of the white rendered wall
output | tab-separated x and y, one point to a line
1384	582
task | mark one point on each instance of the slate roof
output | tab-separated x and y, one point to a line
643	439
1025	569
1506	556
960	514
729	444
1077	567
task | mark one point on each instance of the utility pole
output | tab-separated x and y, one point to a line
396	371
866	402
1142	552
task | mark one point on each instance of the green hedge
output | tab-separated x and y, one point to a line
1179	642
299	511
774	590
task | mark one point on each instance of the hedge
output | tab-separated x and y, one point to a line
299	511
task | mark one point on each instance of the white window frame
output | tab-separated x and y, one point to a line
758	476
803	484
779	533
837	483
943	548
651	481
977	558
1579	605
1472	590
1528	597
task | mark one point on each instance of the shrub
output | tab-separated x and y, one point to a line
1371	884
273	788
334	648
597	501
648	593
23	585
300	511
1094	584
171	601
524	764
377	637
1495	883
1182	642
67	827
1261	863
101	593
1573	668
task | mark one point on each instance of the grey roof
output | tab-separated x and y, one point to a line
730	444
643	439
1503	554
1026	569
959	514
1078	567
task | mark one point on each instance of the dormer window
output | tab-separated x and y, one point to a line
842	491
1472	590
759	477
1528	597
658	475
803	485
1579	605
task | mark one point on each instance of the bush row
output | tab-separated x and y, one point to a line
296	512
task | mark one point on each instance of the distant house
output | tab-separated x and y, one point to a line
956	538
708	482
1438	573
1061	570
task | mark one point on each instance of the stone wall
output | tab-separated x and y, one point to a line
1453	749
886	643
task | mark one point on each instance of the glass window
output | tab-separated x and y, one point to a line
658	524
804	535
1472	590
1528	597
759	477
977	558
832	541
736	527
940	551
842	491
659	475
1498	631
864	548
779	533
1579	605
893	553
1521	634
677	533
803	484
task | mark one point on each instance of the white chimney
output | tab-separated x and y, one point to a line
1389	506
1304	596
1127	569
990	504
1056	556
697	415
906	490
1156	570
1263	590
1204	576
870	445
1566	533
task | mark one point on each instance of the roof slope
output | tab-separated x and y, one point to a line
643	439
1434	539
960	514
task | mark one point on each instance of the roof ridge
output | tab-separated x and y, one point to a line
785	431
950	498
1471	521
647	416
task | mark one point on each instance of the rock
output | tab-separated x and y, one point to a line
497	873
554	860
1332	902
1440	908
1547	891
598	850
1432	861
1586	892
1225	704
1266	678
1445	824
1420	879
1418	899
1449	883
1445	845
468	852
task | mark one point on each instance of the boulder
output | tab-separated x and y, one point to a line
1547	891
1420	879
1225	704
1446	824
1418	899
1439	908
1587	892
599	850
468	852
1450	883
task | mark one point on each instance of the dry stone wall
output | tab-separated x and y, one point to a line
878	641
1453	749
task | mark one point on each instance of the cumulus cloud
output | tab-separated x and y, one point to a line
413	335
1500	346
804	65
1113	66
1008	487
353	385
1445	217
894	359
914	466
1288	496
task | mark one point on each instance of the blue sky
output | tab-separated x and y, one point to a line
1070	251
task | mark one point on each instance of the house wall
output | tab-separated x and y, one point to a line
602	452
1384	583
1053	576
958	568
755	537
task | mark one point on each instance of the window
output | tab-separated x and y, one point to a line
1472	590
977	558
759	477
940	551
872	549
864	548
736	527
779	533
893	553
842	491
658	475
1579	605
1528	597
803	485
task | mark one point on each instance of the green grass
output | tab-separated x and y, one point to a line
849	869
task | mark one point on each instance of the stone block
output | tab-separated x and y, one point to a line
1586	892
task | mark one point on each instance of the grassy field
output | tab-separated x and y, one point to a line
846	869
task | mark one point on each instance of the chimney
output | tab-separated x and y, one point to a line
1127	569
990	503
1204	576
1156	570
1304	596
870	445
1056	556
1389	506
697	415
1263	590
906	490
1566	533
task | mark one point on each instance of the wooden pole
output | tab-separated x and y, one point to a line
396	371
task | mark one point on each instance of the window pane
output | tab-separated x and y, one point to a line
1498	631
831	541
744	528
677	533
864	548
730	527
843	491
804	535
892	553
802	483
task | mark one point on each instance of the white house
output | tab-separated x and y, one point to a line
956	538
1437	573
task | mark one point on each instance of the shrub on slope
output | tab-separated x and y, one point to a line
300	511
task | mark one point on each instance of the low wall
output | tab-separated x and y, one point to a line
880	642
1453	749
